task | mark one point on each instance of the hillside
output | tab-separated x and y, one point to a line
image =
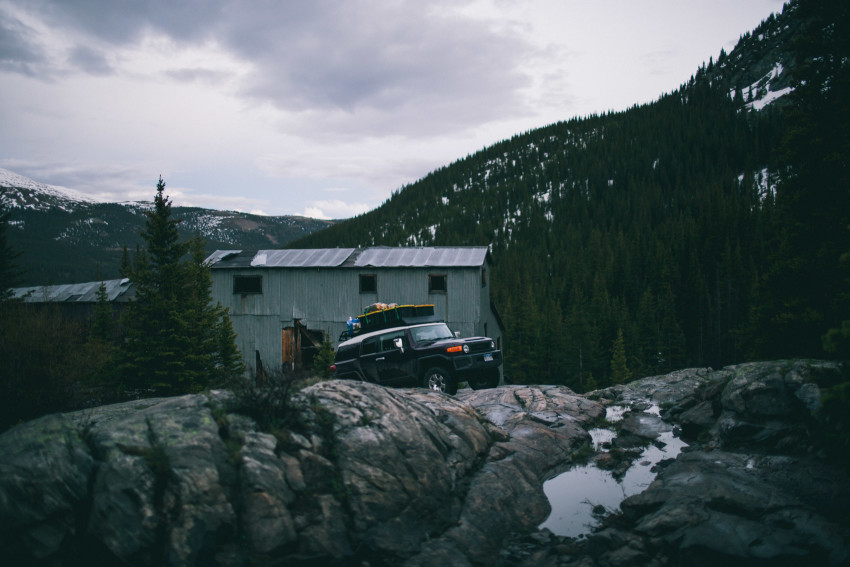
67	238
661	222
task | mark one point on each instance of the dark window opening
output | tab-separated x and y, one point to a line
370	346
388	341
483	277
437	283
247	284
368	283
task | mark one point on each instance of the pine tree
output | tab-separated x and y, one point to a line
800	297
211	349
101	349
324	358
9	272
126	265
102	324
176	339
619	370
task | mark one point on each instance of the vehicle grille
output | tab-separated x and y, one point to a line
479	346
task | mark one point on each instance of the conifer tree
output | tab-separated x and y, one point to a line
619	370
9	272
211	349
102	326
799	300
126	265
176	339
101	349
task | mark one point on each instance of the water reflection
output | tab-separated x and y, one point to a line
580	494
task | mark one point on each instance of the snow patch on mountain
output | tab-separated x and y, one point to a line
17	191
764	91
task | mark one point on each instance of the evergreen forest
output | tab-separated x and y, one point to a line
170	339
699	230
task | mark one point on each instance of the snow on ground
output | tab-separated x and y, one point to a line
769	98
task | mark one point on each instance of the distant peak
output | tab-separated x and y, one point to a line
14	180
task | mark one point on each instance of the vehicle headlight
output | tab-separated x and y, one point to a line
492	345
466	349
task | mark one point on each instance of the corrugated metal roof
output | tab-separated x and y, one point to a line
219	255
375	257
82	292
308	258
441	256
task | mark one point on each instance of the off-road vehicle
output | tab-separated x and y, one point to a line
423	354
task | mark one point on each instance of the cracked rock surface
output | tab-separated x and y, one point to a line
361	474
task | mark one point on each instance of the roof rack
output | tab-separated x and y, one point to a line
385	316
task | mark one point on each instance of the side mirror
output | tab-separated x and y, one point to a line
457	334
399	344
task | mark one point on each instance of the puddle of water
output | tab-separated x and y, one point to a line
574	494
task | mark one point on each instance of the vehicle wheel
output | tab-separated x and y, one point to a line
440	380
484	382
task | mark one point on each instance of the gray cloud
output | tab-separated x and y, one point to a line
384	58
90	61
121	23
404	65
197	74
17	53
73	175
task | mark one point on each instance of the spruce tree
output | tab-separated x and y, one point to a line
9	272
101	347
619	370
177	340
212	356
102	325
800	297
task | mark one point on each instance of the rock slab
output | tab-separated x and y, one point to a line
359	474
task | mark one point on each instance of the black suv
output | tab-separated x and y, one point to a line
427	355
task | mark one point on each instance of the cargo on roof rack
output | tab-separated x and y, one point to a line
385	315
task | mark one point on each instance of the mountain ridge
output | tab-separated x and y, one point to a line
68	237
655	226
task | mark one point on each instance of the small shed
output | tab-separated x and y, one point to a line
284	303
78	300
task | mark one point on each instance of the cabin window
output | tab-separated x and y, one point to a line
247	284
437	283
483	277
388	341
368	283
369	346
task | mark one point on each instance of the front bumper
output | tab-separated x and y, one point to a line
478	362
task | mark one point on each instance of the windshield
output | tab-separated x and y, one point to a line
430	333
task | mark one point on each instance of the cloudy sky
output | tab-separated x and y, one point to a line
321	108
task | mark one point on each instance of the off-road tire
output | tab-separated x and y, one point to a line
439	379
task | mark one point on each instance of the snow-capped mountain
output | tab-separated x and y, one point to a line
17	191
69	237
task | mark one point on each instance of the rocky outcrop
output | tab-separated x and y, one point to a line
751	489
356	474
359	473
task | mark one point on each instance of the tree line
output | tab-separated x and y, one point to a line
171	339
691	231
